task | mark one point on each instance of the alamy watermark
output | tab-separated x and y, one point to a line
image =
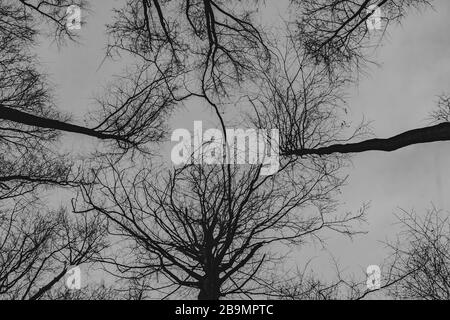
373	277
73	278
73	16
241	146
373	22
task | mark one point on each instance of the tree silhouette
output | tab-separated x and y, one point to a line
26	106
421	256
334	34
212	228
215	230
37	249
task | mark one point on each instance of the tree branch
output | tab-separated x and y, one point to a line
32	120
440	132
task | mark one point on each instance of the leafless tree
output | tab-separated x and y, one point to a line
210	40
37	249
216	47
26	108
207	39
421	256
211	229
336	33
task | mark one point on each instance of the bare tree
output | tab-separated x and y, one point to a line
203	236
26	108
208	229
336	34
217	39
37	249
331	34
421	256
211	229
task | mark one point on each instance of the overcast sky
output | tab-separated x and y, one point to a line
396	96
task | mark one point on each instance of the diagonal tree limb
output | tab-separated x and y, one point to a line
41	122
439	132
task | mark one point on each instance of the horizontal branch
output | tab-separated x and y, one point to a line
30	178
41	122
439	132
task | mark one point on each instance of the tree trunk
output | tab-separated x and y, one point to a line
209	289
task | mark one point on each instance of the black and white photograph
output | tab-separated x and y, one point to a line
222	157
